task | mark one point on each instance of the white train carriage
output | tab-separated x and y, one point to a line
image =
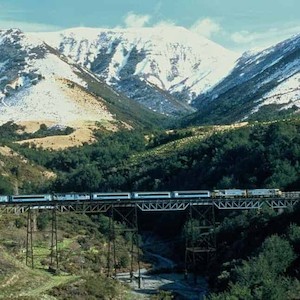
111	196
261	193
191	194
31	198
230	193
151	195
72	196
4	198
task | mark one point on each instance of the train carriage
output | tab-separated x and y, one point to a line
229	193
110	196
31	198
262	193
151	195
72	196
191	194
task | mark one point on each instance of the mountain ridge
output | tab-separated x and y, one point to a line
169	59
38	83
261	83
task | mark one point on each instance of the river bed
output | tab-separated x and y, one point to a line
162	275
173	282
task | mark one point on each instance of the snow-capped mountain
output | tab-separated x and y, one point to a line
38	83
163	68
261	83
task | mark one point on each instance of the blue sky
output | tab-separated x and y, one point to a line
235	24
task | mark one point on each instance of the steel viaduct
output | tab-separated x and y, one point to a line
200	248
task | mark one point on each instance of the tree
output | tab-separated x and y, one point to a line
6	187
261	277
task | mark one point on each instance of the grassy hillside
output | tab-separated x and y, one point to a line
20	175
82	250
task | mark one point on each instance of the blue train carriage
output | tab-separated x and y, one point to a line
111	196
31	198
229	193
191	194
151	195
4	198
264	193
72	196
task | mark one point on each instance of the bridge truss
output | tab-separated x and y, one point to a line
152	205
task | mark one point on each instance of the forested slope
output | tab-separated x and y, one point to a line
258	249
249	156
257	256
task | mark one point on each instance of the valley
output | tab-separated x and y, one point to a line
204	157
161	109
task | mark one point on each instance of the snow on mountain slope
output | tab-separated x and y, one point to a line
267	81
177	62
36	84
286	94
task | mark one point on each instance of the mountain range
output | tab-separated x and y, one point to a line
130	76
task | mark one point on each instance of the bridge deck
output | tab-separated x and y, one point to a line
153	204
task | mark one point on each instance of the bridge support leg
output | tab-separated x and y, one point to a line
31	228
110	238
114	242
200	248
128	217
111	254
53	248
29	239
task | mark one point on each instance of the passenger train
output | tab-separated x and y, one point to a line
123	196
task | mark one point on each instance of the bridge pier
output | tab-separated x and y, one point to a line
200	245
129	218
53	248
32	228
29	238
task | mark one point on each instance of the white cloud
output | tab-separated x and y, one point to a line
166	23
206	27
263	39
27	26
134	20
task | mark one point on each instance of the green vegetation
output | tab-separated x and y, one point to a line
252	156
262	277
260	251
5	186
258	256
18	174
162	295
92	288
82	250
